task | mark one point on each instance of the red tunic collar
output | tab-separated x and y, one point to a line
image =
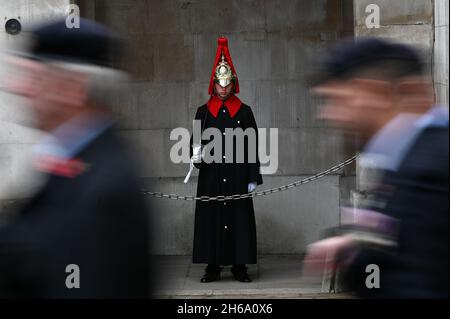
233	105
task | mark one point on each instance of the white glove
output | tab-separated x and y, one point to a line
196	158
196	153
252	187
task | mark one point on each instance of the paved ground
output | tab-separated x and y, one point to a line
273	277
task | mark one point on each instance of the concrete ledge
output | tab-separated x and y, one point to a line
271	293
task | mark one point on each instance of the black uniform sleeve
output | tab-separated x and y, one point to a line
254	174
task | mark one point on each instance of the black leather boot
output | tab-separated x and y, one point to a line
212	273
240	273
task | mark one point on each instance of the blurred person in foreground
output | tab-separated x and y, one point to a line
85	233
377	92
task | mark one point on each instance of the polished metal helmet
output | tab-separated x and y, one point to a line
224	74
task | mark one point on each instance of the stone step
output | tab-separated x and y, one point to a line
267	293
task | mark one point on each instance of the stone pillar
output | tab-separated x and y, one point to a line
440	48
403	21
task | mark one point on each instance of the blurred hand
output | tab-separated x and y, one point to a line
322	256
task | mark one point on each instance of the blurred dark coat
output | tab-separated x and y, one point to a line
97	220
418	197
225	231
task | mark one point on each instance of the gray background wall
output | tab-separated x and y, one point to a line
273	44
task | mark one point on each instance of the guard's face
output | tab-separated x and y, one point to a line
224	93
53	95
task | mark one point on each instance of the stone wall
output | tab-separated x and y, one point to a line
273	45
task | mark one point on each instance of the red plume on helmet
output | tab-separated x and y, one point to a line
222	47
